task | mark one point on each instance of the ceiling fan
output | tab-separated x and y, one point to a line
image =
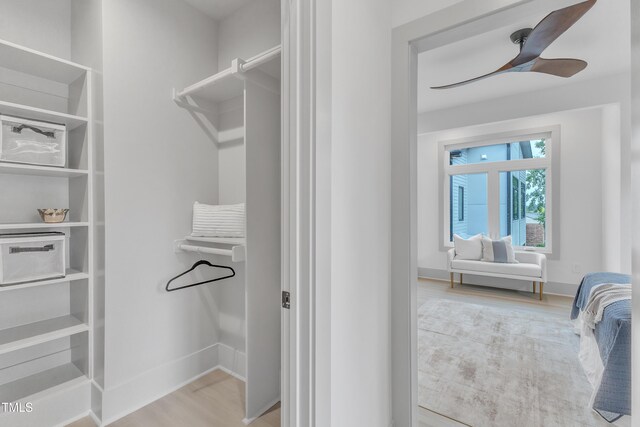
534	41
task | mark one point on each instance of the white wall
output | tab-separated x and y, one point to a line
157	162
40	25
610	152
360	216
580	208
250	30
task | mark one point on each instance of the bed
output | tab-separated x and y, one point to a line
608	346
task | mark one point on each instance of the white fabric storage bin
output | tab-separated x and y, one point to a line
32	142
27	257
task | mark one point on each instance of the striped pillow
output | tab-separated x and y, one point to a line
218	220
498	250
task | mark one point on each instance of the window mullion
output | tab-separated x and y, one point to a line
493	203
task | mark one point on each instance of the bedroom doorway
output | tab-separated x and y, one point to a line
471	23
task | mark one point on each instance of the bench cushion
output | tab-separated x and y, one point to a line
521	269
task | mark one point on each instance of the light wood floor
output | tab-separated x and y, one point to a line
215	400
552	305
556	305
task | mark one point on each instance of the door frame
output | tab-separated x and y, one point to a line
460	21
306	212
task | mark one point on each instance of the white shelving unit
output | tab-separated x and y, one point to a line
53	379
240	109
42	225
70	276
33	170
46	328
71	121
19	337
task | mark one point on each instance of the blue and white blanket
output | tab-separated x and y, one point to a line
612	398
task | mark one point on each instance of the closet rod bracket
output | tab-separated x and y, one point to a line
237	68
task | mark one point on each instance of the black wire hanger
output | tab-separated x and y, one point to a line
196	265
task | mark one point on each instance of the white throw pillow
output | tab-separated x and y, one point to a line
498	250
468	249
218	220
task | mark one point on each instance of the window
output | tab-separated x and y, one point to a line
528	189
515	212
523	204
499	187
467	205
530	149
460	203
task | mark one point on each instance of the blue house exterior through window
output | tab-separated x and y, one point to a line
470	199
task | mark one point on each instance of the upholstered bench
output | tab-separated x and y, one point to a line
531	266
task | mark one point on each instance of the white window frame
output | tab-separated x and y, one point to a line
550	163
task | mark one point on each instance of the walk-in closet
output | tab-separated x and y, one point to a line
140	217
239	108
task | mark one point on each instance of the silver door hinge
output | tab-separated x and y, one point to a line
286	300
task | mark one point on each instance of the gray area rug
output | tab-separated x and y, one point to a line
493	367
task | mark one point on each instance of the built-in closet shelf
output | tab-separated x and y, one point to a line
217	88
25	111
40	225
234	248
50	360
230	135
35	63
228	83
70	276
31	334
22	169
50	381
237	241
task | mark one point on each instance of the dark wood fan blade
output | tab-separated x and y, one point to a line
506	69
562	67
549	29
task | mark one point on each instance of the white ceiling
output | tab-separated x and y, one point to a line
218	9
601	37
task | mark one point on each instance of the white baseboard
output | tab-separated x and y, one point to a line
232	361
550	288
74	419
156	383
95	418
248	421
